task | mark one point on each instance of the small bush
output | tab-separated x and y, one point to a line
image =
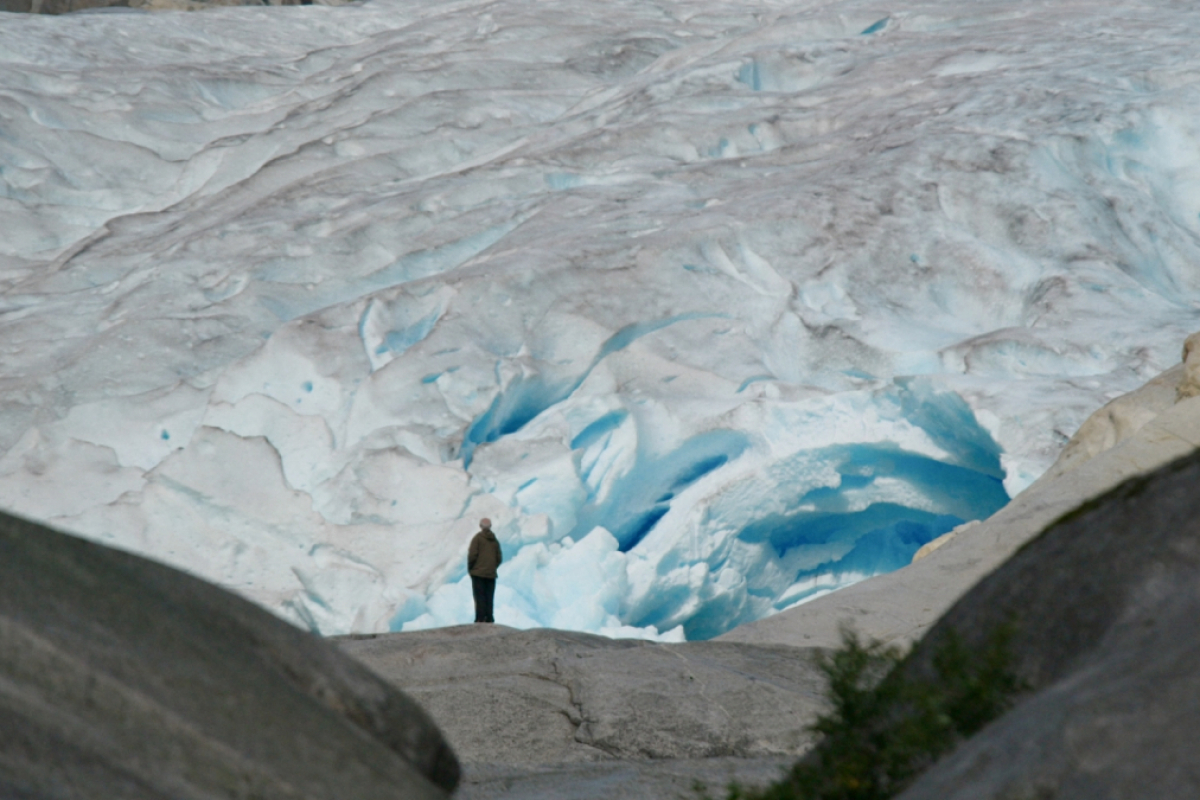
885	728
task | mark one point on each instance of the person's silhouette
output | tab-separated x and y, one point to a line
483	557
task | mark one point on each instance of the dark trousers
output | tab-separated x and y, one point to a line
483	589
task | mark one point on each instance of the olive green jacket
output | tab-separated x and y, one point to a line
484	555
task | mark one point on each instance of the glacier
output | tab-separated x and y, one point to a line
713	306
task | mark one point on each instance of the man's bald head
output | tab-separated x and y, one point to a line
485	523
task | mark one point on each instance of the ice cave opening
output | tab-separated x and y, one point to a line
727	526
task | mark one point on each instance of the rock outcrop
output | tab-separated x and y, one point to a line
1132	435
123	678
505	696
1104	604
1189	383
626	779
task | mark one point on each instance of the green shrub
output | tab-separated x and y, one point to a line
885	727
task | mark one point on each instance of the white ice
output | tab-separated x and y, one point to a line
712	305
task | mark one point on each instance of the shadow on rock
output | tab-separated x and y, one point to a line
1104	605
123	678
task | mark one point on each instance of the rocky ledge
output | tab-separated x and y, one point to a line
546	713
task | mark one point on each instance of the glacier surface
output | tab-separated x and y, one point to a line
712	305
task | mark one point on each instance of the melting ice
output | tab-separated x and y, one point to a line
712	306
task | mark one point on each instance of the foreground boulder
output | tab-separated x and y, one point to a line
505	696
1105	606
123	678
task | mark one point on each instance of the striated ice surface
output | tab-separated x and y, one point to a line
712	305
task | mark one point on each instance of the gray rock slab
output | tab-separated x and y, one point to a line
668	779
504	696
123	679
900	607
1106	604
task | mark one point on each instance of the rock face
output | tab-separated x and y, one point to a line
1132	435
1105	604
505	696
122	678
1189	385
660	779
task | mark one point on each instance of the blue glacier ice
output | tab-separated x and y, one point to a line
713	306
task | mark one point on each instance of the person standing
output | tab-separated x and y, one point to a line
483	557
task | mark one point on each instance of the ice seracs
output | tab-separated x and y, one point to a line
712	307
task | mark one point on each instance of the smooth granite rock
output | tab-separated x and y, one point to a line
1189	385
1106	605
662	779
511	697
122	679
